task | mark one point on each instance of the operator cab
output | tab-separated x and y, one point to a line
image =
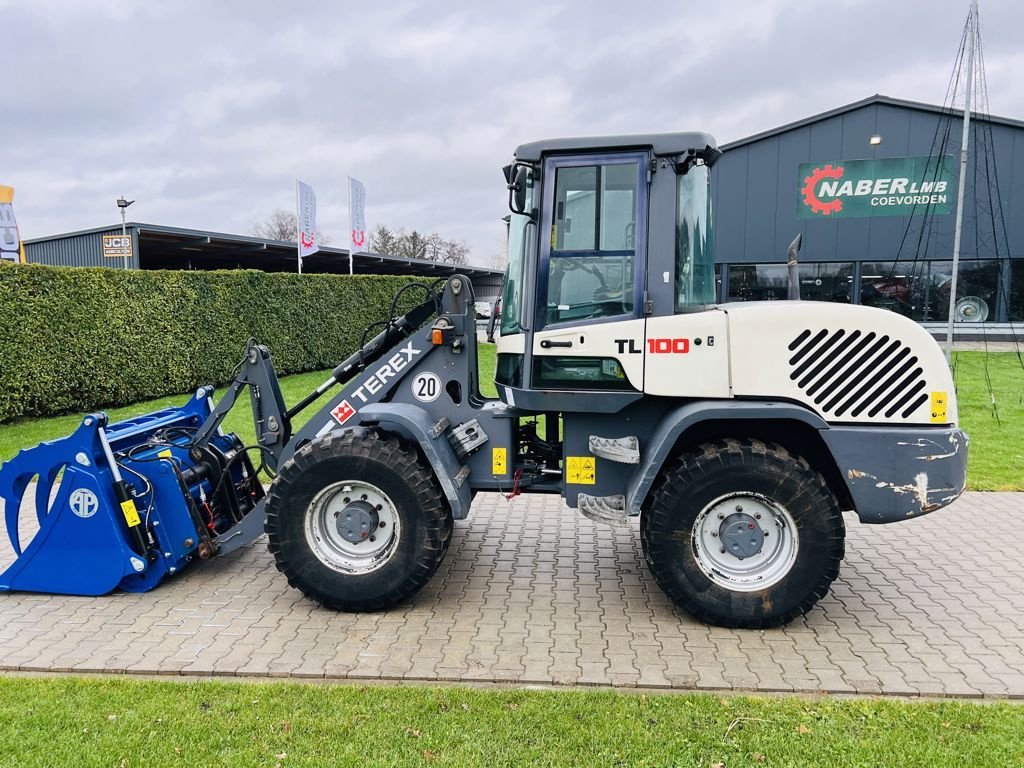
605	232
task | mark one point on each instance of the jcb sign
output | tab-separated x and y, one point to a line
117	246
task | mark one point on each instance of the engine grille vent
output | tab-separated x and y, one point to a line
856	374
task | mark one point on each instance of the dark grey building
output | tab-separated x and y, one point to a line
160	247
888	241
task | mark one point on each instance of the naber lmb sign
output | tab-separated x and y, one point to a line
896	186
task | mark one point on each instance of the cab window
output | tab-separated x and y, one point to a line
695	258
593	242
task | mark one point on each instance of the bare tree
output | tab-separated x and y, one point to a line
499	257
412	245
280	225
383	240
454	252
434	247
498	261
283	225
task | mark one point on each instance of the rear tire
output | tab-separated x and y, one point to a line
357	475
709	513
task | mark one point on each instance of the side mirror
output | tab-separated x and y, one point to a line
518	178
492	322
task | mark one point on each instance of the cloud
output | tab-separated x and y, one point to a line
206	112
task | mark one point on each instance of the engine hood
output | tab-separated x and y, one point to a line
850	364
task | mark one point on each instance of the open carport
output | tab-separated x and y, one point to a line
161	247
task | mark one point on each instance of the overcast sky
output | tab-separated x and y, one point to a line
205	111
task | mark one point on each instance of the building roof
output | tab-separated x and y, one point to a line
869	101
162	247
663	144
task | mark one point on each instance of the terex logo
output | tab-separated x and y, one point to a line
389	370
343	412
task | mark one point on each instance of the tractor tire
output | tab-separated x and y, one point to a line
352	484
743	534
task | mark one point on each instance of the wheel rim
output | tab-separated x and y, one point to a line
759	537
352	527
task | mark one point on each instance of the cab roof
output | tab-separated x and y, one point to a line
663	144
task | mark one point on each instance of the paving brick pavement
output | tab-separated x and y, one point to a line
532	592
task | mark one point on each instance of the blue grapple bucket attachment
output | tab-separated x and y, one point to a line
124	505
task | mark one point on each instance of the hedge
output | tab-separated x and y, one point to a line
78	339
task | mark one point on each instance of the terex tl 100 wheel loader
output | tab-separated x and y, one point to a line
737	433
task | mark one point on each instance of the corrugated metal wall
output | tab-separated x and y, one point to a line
755	190
80	250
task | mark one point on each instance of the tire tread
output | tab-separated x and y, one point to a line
380	447
670	490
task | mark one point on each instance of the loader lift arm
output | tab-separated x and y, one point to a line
271	419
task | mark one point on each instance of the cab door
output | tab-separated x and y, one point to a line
592	271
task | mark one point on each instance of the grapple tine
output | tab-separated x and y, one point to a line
12	489
44	488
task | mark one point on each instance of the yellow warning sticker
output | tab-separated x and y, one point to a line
581	470
131	514
499	458
939	403
165	453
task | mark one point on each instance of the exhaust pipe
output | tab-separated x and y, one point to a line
794	270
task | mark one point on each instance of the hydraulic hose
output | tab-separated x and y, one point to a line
373	350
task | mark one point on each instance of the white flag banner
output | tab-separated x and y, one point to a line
306	218
11	247
357	215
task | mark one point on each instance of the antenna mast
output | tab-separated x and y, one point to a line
972	36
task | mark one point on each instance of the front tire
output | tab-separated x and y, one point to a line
742	533
356	521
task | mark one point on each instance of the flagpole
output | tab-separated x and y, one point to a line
298	227
972	33
351	245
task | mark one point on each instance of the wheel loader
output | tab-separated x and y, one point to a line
737	434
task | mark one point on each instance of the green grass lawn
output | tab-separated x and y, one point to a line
996	458
996	453
124	722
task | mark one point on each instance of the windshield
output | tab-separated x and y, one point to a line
511	295
695	259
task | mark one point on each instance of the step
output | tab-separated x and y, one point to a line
610	510
624	450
